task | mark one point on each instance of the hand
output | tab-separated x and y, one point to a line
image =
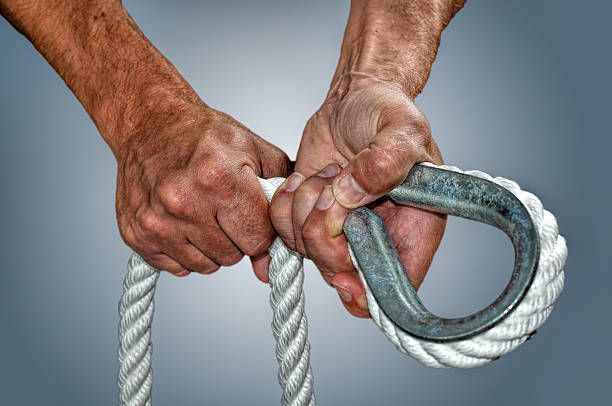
370	123
375	128
188	199
187	194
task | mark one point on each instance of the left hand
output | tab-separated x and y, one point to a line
379	133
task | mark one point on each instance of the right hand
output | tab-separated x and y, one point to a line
188	199
379	133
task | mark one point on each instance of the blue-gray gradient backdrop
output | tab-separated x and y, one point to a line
519	89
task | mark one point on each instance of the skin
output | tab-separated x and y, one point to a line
369	123
187	194
188	199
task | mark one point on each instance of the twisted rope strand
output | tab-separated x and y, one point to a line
515	329
136	308
289	324
290	327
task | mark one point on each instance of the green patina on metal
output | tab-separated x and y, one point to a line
457	194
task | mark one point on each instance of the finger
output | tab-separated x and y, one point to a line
416	233
328	248
351	293
261	264
191	258
324	239
281	206
163	262
180	251
197	251
246	219
274	162
305	198
384	164
148	234
210	240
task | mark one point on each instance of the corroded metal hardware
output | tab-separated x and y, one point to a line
457	194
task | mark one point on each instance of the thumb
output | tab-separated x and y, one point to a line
260	265
376	170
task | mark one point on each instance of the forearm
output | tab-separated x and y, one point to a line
119	77
395	41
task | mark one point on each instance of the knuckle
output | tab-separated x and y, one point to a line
137	241
150	223
128	236
163	263
258	246
378	172
176	270
192	260
281	156
420	125
230	259
312	122
417	134
381	162
212	174
132	242
174	199
306	192
210	268
281	163
153	261
319	119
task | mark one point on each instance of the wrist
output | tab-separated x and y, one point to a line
394	41
129	87
352	83
124	83
163	125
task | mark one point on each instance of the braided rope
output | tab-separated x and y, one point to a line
289	324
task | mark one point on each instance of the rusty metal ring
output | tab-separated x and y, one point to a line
457	194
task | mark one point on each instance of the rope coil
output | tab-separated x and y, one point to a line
290	327
512	331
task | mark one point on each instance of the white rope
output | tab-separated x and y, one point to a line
515	329
289	323
135	316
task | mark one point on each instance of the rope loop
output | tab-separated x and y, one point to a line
290	327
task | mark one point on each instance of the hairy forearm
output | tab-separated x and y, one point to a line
119	77
395	41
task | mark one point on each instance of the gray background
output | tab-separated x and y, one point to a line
520	89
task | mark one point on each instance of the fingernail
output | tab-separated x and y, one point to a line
329	171
344	293
347	191
326	199
294	181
